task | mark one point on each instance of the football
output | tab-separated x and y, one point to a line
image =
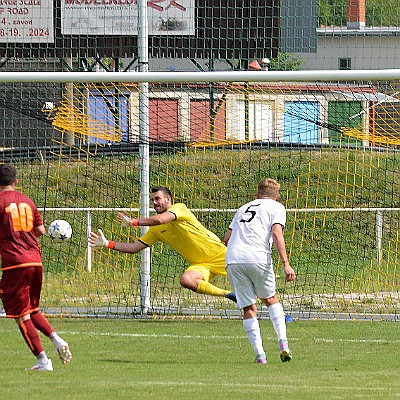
60	231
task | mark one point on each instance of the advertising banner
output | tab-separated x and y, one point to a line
26	21
120	17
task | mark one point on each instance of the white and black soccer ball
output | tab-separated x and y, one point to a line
60	231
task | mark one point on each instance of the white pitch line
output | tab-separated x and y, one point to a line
357	340
223	337
152	335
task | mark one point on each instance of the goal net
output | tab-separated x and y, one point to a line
332	143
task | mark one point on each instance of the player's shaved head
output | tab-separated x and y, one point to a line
8	174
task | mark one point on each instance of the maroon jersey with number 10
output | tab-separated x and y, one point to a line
18	243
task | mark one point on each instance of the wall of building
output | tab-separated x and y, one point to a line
365	51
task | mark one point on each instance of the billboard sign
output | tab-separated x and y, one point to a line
26	21
120	17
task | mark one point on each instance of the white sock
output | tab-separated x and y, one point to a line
277	316
42	357
252	328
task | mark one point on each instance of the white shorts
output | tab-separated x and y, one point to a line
251	281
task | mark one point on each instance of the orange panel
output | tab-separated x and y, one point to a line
200	121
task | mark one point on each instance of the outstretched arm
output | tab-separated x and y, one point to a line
158	219
99	240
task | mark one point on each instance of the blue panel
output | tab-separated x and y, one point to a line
301	122
99	110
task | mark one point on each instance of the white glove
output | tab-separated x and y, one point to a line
98	239
124	219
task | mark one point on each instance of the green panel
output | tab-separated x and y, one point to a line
340	114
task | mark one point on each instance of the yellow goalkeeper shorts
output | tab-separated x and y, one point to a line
210	269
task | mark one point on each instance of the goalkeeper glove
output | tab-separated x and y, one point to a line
99	240
126	221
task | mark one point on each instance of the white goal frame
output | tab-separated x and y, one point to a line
144	78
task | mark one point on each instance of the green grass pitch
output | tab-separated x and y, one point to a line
205	359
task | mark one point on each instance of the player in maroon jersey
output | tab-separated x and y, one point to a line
21	264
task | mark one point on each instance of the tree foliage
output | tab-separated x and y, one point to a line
378	12
286	62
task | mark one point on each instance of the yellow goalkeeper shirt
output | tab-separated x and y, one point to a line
187	236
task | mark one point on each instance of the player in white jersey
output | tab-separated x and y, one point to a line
254	228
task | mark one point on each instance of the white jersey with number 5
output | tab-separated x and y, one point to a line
251	240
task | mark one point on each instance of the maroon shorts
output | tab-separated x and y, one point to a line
20	290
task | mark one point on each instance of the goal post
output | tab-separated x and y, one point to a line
329	137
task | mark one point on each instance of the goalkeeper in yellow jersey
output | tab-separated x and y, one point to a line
176	226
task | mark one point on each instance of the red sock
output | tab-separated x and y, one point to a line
31	336
41	323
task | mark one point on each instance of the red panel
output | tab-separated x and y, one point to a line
163	120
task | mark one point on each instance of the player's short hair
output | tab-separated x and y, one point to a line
8	174
163	189
269	187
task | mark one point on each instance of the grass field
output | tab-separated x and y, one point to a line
205	359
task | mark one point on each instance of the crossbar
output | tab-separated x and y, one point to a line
220	76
